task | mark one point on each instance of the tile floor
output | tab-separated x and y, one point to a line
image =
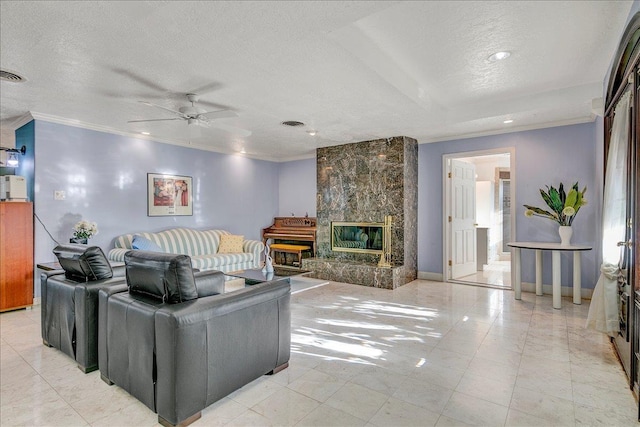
497	273
426	354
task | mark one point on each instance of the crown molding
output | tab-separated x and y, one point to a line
33	115
515	129
106	129
20	121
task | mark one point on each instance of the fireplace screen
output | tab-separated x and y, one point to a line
366	237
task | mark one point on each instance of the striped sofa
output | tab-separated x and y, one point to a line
200	245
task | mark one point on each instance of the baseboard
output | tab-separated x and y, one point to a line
427	275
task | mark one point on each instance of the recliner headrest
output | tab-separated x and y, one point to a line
82	263
160	275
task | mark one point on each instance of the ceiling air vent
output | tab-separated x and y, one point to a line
10	76
292	123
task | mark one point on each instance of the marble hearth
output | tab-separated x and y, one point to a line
358	273
363	182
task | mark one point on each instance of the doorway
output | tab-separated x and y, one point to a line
478	217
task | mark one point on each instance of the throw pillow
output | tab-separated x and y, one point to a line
230	244
144	244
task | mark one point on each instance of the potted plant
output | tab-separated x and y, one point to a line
83	231
564	207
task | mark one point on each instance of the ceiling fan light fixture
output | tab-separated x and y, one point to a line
499	56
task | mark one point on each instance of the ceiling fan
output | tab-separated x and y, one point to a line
195	115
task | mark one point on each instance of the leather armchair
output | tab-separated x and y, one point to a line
69	310
178	344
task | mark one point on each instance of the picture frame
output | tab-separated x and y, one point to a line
169	195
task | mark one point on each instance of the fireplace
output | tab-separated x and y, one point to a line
359	185
363	237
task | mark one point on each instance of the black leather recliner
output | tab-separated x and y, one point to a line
69	307
178	344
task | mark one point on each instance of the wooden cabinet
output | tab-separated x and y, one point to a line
16	255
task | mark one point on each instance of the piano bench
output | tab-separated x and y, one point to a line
290	249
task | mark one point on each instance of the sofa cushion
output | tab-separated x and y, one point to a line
222	261
230	244
168	277
144	244
82	263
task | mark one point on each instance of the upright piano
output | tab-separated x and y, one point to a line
292	230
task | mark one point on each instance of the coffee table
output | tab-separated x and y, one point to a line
255	275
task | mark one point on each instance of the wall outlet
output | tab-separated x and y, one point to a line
59	195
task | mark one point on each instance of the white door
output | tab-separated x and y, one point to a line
463	219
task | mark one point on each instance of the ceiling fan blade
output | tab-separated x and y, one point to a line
164	108
231	129
209	87
154	120
219	114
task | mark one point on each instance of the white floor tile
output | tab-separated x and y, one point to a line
396	412
357	400
475	411
425	354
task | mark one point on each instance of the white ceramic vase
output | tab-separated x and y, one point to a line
268	262
565	232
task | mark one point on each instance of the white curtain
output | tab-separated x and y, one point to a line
603	312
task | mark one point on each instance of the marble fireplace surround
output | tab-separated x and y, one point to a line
363	182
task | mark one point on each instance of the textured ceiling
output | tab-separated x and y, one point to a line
350	70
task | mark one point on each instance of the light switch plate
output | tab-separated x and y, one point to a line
59	195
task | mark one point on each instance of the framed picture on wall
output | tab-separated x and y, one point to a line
169	195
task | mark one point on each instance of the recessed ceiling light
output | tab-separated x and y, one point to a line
243	151
506	122
498	56
312	132
145	133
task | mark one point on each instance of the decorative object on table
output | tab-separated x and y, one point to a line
268	262
169	195
564	208
83	231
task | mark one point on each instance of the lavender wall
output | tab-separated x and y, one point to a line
104	176
297	188
543	157
105	180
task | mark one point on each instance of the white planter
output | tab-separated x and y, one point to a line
565	232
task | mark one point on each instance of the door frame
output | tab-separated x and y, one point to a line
446	201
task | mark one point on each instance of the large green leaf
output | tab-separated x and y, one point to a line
546	198
572	198
563	195
555	199
540	211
